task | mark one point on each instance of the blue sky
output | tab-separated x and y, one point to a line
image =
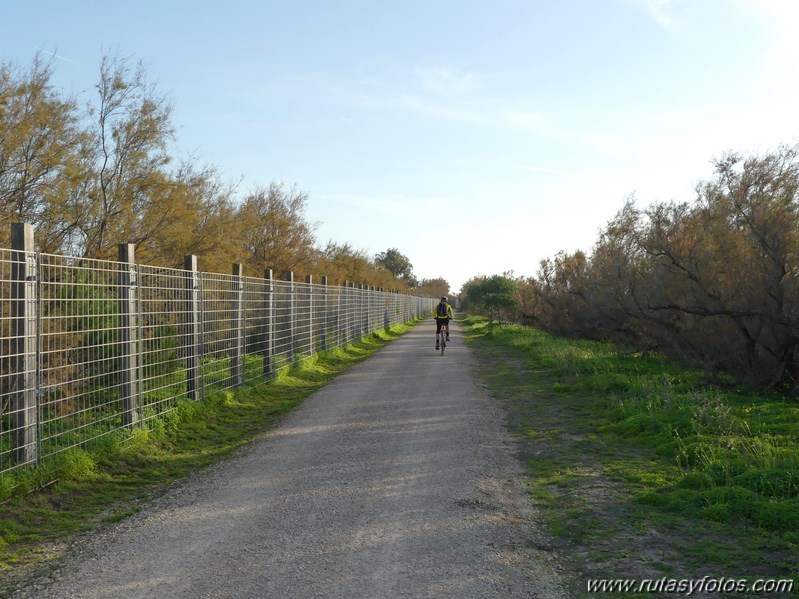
523	125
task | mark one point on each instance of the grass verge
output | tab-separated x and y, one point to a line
645	470
111	481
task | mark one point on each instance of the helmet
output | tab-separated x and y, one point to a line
443	299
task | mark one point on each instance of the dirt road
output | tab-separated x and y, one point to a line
396	480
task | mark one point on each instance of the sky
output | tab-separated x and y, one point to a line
477	138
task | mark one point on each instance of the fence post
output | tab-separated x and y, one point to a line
387	301
373	313
309	295
364	316
372	310
269	351
376	308
237	327
370	296
326	321
292	313
192	336
23	343
346	307
367	300
129	333
355	302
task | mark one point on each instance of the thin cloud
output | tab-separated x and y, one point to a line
461	97
434	107
662	11
385	204
448	81
485	111
554	171
440	92
57	56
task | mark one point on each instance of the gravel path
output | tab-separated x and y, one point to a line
398	479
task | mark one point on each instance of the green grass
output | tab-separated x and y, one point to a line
110	481
631	455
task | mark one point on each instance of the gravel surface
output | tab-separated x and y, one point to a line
398	479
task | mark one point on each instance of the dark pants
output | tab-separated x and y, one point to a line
440	322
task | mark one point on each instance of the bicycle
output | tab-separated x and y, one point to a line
441	336
442	314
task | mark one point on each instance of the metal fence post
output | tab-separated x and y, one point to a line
23	343
326	320
349	314
309	285
237	327
269	350
364	317
191	338
346	307
372	309
292	313
129	333
356	323
368	304
374	315
387	301
375	308
340	327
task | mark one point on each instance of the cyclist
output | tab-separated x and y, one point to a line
442	314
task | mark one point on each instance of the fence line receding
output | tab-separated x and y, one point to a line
89	347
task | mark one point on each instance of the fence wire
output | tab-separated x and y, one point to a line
90	347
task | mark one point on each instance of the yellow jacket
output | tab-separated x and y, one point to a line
449	312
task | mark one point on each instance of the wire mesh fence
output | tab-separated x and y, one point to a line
90	347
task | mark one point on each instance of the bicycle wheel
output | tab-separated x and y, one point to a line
443	342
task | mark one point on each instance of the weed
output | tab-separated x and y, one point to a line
77	465
632	450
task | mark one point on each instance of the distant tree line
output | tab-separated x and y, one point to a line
714	282
91	177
